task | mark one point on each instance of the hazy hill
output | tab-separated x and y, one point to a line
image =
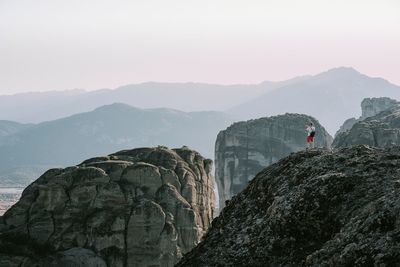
43	106
331	97
27	150
11	127
109	128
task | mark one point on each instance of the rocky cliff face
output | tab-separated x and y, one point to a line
381	130
369	108
373	106
314	208
245	148
141	207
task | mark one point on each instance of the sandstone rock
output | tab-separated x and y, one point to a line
140	207
245	148
381	130
369	108
315	208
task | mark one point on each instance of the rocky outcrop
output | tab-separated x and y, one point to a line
373	106
314	208
347	124
381	130
245	148
369	108
140	207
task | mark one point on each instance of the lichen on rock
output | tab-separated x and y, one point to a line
314	208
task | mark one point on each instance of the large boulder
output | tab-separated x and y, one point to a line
369	108
247	147
140	207
314	208
381	130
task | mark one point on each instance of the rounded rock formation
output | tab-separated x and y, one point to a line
140	207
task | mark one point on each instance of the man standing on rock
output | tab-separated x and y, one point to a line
310	128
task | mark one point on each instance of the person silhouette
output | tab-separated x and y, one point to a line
310	129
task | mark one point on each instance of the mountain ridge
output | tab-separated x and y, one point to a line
187	96
108	128
339	90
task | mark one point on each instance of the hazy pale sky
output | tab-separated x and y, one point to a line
93	44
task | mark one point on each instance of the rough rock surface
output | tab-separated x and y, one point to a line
369	108
381	130
373	106
245	148
140	207
314	208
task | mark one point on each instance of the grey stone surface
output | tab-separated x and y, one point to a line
381	130
314	208
369	108
347	124
245	148
373	106
140	207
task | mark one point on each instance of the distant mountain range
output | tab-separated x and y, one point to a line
25	154
331	97
43	106
51	135
11	127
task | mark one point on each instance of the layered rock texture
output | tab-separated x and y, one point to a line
245	148
369	108
381	130
141	207
314	208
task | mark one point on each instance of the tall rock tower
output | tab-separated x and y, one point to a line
247	147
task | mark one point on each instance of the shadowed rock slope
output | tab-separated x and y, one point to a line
245	148
313	208
381	130
141	207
